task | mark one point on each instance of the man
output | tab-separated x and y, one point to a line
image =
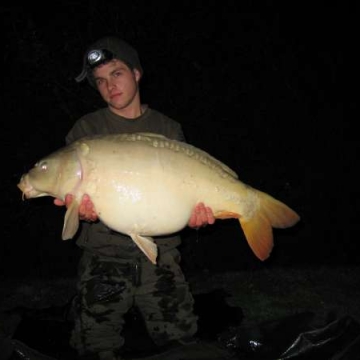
114	274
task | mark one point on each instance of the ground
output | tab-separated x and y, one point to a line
234	309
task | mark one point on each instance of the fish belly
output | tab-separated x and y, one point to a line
134	210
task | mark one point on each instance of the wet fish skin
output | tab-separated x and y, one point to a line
146	185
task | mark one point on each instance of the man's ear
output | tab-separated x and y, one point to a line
137	75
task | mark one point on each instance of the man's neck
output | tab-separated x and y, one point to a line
129	113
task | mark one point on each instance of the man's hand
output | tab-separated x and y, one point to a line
202	215
86	208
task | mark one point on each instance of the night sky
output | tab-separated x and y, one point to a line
258	87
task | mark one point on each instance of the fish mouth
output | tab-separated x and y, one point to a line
27	189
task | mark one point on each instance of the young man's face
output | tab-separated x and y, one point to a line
117	84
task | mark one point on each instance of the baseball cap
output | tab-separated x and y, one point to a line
102	51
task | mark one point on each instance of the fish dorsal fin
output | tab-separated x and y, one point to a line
154	135
71	221
147	246
188	149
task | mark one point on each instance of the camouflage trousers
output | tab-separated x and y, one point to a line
109	287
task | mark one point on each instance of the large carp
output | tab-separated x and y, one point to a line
145	185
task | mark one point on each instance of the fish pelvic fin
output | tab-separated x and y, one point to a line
71	221
147	246
270	213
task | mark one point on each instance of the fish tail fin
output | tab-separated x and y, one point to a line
279	214
270	213
259	235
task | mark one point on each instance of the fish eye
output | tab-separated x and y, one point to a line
42	165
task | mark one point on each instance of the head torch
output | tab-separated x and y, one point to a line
98	57
103	51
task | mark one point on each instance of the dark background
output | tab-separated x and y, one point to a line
260	87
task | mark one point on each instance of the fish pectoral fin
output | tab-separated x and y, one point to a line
259	235
226	215
147	246
71	221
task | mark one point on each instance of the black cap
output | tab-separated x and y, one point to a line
105	49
